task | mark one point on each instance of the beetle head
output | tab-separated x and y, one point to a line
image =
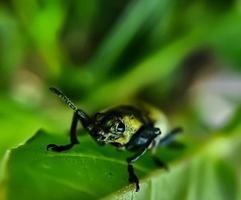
108	127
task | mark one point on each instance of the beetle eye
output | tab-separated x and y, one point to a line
120	127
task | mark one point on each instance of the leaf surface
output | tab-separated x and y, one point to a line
90	171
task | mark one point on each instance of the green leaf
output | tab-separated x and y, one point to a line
90	171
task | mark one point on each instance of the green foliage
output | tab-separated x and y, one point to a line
101	53
89	171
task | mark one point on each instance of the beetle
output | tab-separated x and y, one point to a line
125	127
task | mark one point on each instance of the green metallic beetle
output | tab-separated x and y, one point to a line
125	127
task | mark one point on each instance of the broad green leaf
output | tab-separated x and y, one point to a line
90	171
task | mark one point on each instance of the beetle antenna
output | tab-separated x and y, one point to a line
63	97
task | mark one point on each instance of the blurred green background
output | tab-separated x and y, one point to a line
183	57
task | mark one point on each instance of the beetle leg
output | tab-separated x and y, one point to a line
73	133
59	148
150	133
132	176
136	156
159	162
168	139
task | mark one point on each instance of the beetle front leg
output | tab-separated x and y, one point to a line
78	115
167	140
142	142
132	176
